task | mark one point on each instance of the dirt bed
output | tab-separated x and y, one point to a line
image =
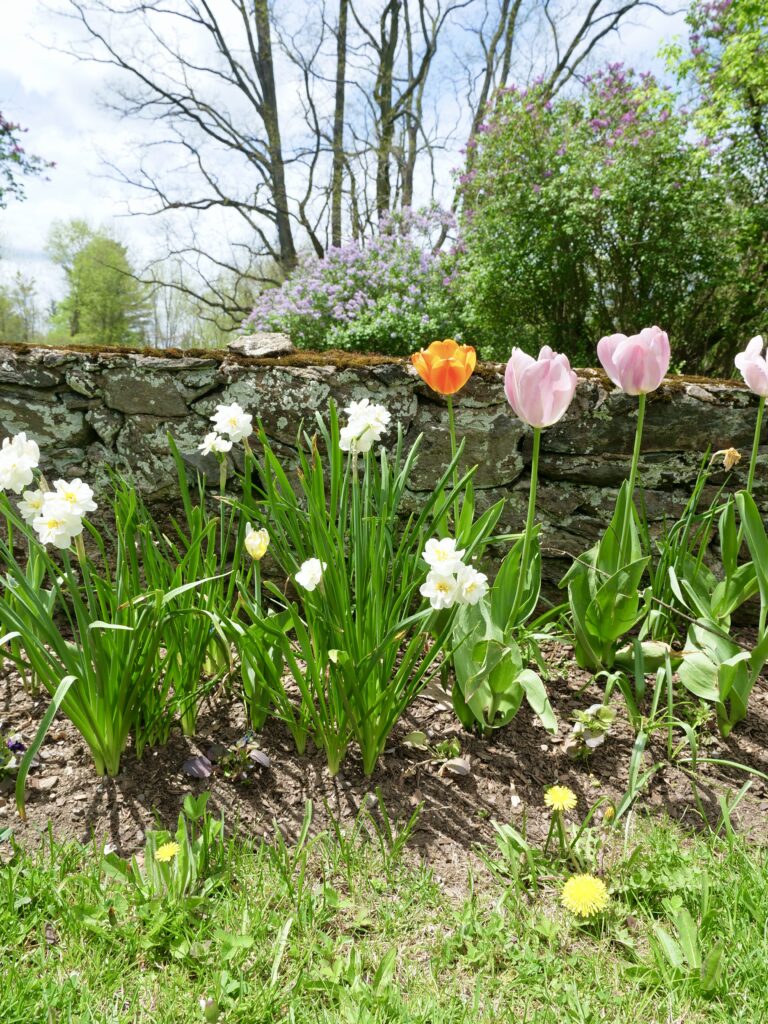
507	775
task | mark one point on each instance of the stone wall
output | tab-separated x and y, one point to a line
89	410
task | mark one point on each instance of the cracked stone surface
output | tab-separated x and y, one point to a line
90	410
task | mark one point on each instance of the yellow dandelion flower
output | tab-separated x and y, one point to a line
560	798
584	895
166	852
608	813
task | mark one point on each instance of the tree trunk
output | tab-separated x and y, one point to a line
266	72
337	174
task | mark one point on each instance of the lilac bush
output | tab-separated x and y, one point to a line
392	294
586	214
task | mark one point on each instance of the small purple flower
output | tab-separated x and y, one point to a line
596	192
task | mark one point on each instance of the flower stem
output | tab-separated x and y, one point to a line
755	445
633	477
638	445
257	586
529	525
454	448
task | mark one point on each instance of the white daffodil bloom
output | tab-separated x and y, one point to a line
214	442
442	556
76	494
256	542
440	590
233	421
31	505
310	574
19	457
366	423
57	524
472	585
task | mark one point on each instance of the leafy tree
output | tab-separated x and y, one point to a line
19	311
725	65
105	304
15	162
592	214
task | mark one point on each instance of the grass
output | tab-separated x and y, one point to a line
348	928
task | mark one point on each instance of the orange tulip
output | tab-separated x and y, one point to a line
446	366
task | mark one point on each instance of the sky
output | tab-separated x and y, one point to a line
60	101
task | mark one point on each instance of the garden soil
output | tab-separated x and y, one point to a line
457	793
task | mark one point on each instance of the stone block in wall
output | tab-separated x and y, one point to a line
90	410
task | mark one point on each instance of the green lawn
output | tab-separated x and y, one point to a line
349	928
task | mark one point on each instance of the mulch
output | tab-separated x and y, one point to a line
508	772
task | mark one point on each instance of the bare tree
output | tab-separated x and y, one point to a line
291	125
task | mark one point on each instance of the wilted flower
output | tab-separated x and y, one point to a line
31	505
441	590
166	852
753	366
472	585
19	458
731	458
232	421
75	495
584	895
256	542
310	574
366	423
214	442
446	366
539	390
637	364
442	556
590	729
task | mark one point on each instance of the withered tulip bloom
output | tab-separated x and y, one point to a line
446	366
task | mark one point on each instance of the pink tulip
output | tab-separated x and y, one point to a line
754	367
636	364
539	390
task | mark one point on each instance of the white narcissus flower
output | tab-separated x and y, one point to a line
440	590
310	574
19	457
366	423
31	505
256	542
57	524
75	494
442	556
213	442
232	421
472	585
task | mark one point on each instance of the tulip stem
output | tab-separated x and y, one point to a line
755	445
529	525
454	448
638	445
625	527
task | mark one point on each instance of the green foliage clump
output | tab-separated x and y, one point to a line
593	214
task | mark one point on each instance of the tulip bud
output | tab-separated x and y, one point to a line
256	542
539	390
446	366
637	364
754	367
